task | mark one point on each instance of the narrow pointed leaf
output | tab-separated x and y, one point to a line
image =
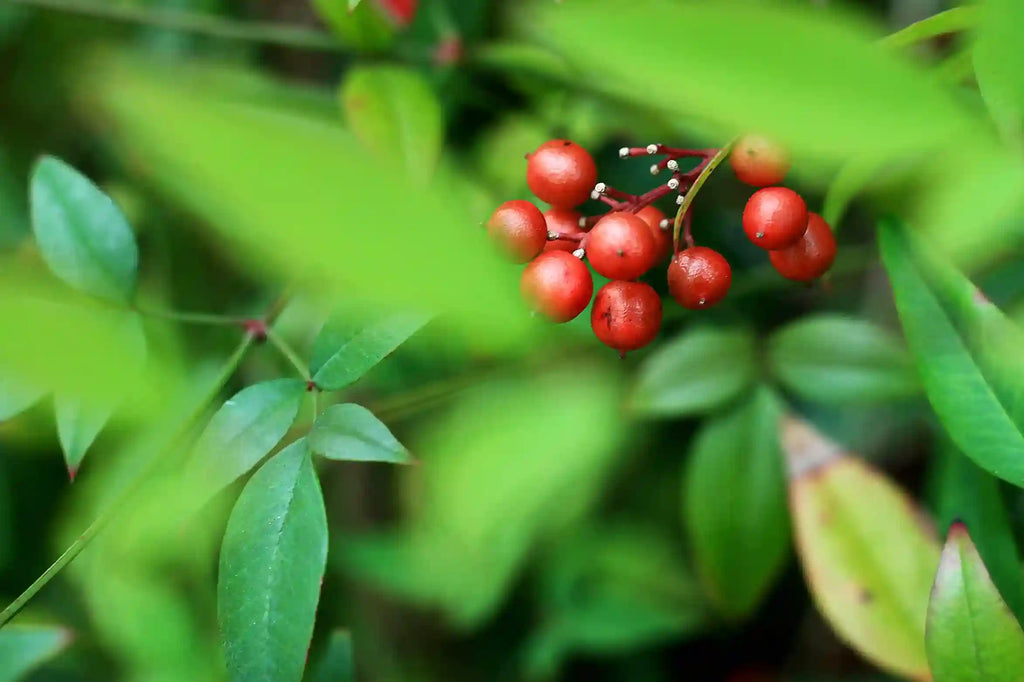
82	234
734	495
271	566
245	430
972	635
997	62
967	352
338	661
78	425
16	397
351	432
868	555
341	355
24	648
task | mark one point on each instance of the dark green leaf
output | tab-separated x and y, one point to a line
82	234
967	353
837	359
734	502
271	565
696	373
350	432
337	663
244	430
998	62
971	635
16	396
342	355
23	648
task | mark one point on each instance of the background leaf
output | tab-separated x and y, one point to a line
271	565
997	63
82	234
16	397
343	353
338	662
350	432
25	647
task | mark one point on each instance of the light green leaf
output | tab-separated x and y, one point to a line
998	63
23	648
949	21
971	636
82	234
966	350
244	430
337	663
352	4
836	359
360	25
395	113
524	58
350	432
734	504
697	372
16	397
342	353
271	566
867	554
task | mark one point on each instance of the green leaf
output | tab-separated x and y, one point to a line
697	372
244	430
734	502
271	566
971	636
23	648
350	432
966	350
352	4
532	60
395	113
361	26
338	661
836	359
17	396
82	234
949	21
341	354
998	62
868	557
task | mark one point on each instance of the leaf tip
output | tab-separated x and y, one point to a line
72	472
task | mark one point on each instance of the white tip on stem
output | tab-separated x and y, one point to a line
624	153
652	149
655	170
579	253
680	199
665	224
673	183
672	165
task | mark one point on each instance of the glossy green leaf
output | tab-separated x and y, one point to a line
16	397
972	636
350	432
82	234
734	504
867	553
998	63
244	430
837	359
337	663
966	351
23	648
697	372
342	353
271	565
395	113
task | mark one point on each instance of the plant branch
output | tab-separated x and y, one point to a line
289	353
191	318
691	194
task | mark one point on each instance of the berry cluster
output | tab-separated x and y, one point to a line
633	236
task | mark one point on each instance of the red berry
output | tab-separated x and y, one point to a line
699	277
662	236
402	12
519	228
775	217
809	258
558	285
626	315
621	246
561	173
566	221
758	161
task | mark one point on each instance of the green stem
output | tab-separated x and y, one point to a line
205	25
691	194
190	318
950	21
289	353
227	371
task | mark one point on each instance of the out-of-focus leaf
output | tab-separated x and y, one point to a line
352	4
395	113
363	26
343	353
16	397
734	66
697	372
997	63
851	179
511	137
837	359
949	21
338	661
82	234
963	491
271	566
612	590
972	636
967	353
868	554
25	647
244	430
350	432
734	504
522	57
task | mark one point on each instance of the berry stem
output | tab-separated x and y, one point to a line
565	237
705	170
687	231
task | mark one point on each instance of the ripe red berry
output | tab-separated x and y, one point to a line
758	161
519	228
557	285
566	221
775	217
561	173
811	256
621	246
662	236
699	277
626	315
